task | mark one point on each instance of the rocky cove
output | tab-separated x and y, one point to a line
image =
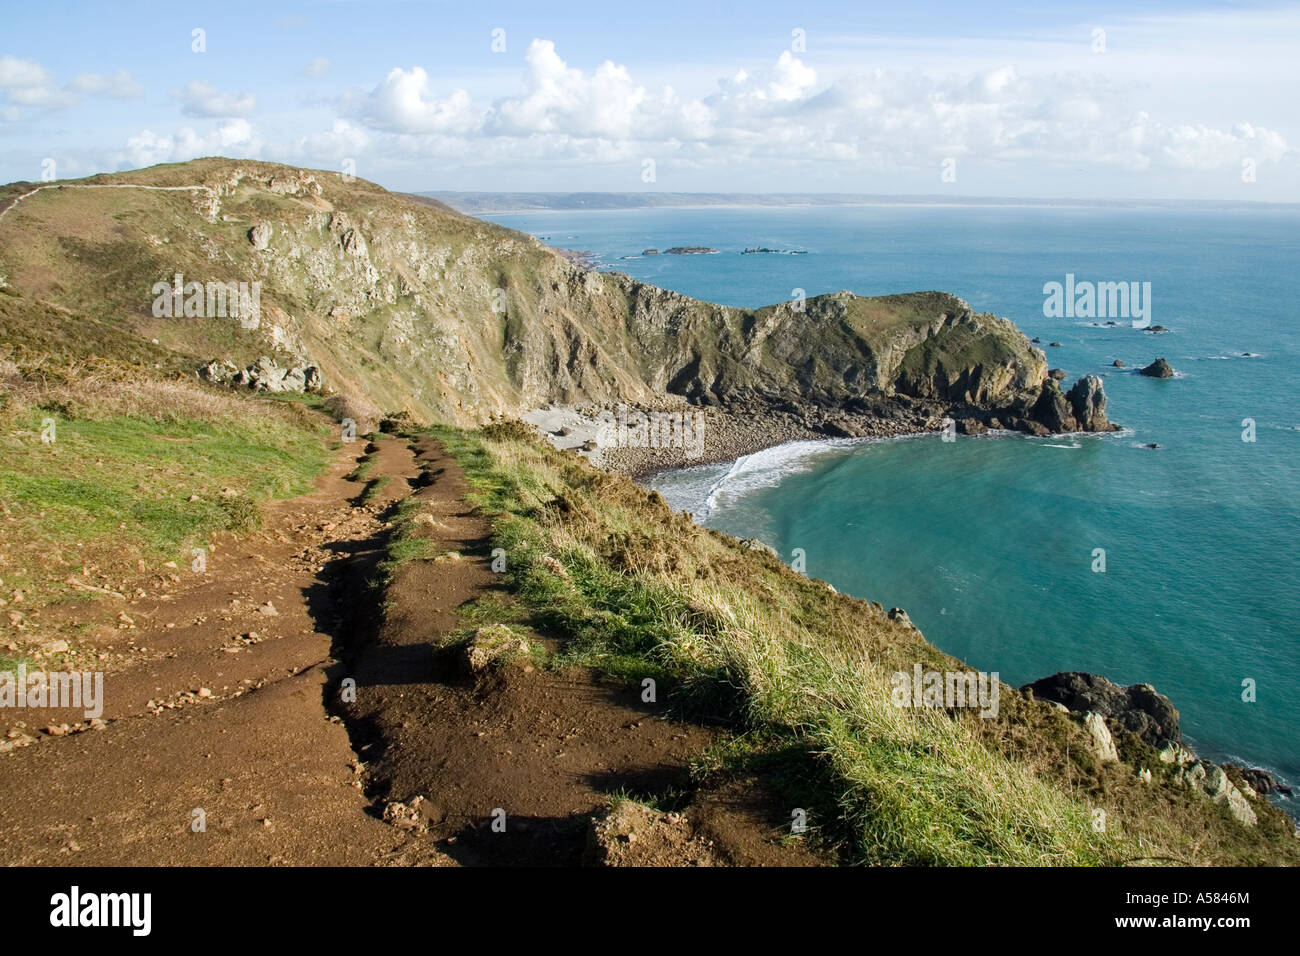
727	432
1134	724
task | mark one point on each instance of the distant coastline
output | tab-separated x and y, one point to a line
504	203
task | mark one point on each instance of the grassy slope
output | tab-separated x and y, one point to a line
97	253
802	675
142	469
410	322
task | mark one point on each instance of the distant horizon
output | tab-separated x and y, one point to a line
507	201
1102	102
487	202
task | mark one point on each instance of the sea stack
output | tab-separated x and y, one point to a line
1081	409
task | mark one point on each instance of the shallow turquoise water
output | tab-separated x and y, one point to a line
989	542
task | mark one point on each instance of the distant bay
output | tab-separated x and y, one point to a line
990	543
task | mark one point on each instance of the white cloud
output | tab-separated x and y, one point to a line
406	103
26	83
1057	117
559	98
120	86
235	137
23	74
342	141
202	100
791	80
877	119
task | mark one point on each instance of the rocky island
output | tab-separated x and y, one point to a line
1157	369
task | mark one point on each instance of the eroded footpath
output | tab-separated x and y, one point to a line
228	738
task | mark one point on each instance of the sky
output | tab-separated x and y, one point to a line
1073	100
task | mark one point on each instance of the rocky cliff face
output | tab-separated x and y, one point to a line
404	305
828	350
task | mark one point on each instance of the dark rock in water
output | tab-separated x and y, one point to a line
1057	373
1157	329
1088	402
1118	363
1055	345
1261	781
1038	429
1151	444
1035	339
972	426
1138	708
1158	369
649	252
689	251
1052	410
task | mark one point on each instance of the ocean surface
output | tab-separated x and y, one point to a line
990	543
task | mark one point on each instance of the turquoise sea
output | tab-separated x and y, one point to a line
990	543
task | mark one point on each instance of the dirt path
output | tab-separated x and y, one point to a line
228	709
166	189
508	767
221	709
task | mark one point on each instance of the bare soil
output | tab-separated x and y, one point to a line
230	709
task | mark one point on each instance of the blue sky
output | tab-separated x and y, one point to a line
1079	101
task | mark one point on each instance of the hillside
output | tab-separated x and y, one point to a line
404	305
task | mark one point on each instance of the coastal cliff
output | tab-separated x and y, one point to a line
402	305
421	322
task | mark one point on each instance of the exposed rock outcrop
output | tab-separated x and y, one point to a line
1157	369
1103	744
264	375
1138	708
1213	782
1261	781
1088	403
260	235
753	544
1083	408
1052	410
1150	715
